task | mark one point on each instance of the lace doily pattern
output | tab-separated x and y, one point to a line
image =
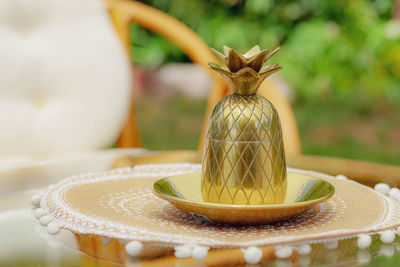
120	204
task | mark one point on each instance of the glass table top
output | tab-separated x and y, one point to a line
23	242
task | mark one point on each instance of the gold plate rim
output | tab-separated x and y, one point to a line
224	206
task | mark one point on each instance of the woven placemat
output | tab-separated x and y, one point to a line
120	204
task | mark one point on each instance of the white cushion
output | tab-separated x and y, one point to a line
65	79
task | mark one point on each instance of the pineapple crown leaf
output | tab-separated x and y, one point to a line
252	51
234	61
245	71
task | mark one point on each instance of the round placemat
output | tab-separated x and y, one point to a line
120	204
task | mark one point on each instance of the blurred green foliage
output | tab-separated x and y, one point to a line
175	122
338	51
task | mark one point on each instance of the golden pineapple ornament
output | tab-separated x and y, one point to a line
243	157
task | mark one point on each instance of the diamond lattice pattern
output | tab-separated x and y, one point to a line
243	158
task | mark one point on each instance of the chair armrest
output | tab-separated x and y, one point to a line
364	172
125	11
367	173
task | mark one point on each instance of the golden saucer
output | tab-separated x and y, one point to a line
303	191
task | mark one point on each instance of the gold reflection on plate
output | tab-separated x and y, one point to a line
303	191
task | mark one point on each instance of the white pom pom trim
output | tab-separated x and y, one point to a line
331	244
183	252
394	191
382	188
45	220
396	196
364	241
283	252
53	228
191	250
199	253
304	249
387	236
252	255
39	212
133	248
105	240
341	177
35	200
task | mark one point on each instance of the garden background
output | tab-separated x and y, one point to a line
341	64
